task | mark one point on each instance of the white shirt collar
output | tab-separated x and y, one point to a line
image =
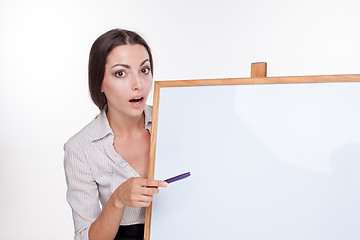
102	127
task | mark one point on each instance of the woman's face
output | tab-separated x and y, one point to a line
127	80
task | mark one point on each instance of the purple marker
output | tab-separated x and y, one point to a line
177	178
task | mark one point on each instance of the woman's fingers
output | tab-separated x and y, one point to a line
138	192
154	183
145	198
147	182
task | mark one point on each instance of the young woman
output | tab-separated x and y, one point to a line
107	161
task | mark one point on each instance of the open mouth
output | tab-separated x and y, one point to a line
136	100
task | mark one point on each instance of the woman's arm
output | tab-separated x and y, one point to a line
108	222
134	192
82	191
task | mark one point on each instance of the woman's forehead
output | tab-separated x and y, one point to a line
130	53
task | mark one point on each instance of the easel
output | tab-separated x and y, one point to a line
259	70
258	76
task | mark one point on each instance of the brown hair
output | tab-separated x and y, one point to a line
97	59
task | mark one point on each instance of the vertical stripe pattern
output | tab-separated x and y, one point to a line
94	170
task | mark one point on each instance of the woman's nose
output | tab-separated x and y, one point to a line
137	83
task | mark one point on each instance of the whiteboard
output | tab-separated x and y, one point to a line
267	161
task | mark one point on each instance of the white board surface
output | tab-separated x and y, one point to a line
270	161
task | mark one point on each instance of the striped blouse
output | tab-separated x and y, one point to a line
94	170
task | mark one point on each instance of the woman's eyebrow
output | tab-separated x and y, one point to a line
144	62
123	65
128	66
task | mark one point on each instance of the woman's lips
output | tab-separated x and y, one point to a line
136	101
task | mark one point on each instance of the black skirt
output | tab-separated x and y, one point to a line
130	232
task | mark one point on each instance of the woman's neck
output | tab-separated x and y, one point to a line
123	125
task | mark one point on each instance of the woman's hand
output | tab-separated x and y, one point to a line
137	192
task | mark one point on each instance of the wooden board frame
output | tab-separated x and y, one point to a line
229	81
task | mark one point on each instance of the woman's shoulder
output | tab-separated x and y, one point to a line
148	110
84	136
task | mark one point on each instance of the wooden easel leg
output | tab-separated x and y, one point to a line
258	70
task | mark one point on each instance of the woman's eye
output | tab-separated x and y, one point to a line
145	70
119	73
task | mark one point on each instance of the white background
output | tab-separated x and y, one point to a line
44	47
